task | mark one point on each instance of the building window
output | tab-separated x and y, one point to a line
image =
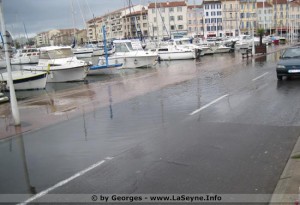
207	14
190	21
172	28
180	26
179	18
144	25
144	17
206	6
213	13
219	13
162	10
172	18
179	9
208	28
171	9
213	6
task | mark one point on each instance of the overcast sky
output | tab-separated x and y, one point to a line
43	15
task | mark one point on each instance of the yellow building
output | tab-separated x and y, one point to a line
248	16
280	11
294	18
231	17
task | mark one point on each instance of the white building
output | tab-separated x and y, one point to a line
264	15
167	19
213	26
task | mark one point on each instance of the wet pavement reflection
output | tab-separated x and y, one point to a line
107	116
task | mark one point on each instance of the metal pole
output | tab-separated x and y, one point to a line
13	99
253	47
264	15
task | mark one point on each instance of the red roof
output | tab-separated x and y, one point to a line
261	4
167	4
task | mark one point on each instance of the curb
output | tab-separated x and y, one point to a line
287	190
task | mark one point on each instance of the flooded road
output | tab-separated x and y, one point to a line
217	125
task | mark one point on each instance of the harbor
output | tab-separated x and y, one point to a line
158	102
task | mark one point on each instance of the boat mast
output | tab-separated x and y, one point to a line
13	99
73	18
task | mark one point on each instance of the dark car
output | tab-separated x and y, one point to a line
289	63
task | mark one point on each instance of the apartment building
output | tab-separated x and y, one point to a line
42	39
294	18
248	16
213	24
195	19
281	12
265	16
231	17
167	19
113	22
135	24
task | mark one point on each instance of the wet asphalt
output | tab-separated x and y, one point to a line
151	144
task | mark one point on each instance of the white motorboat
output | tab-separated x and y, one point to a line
25	56
83	52
186	43
221	49
25	80
61	63
245	42
130	54
172	52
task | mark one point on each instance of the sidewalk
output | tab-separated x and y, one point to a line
288	186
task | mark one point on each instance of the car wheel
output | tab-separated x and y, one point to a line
279	77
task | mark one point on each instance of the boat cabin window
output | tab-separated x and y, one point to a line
44	55
184	42
121	47
61	53
162	49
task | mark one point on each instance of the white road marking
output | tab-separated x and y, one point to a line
260	76
209	104
61	183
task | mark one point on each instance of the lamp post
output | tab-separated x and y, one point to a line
13	99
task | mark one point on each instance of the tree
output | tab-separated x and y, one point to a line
261	33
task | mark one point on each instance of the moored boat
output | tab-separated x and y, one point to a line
130	54
25	56
61	63
25	80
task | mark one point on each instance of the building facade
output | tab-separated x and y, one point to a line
281	9
167	19
135	24
294	18
213	23
114	23
248	16
231	17
195	20
265	16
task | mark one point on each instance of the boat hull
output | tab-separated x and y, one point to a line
35	80
177	55
27	60
130	61
83	54
59	75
